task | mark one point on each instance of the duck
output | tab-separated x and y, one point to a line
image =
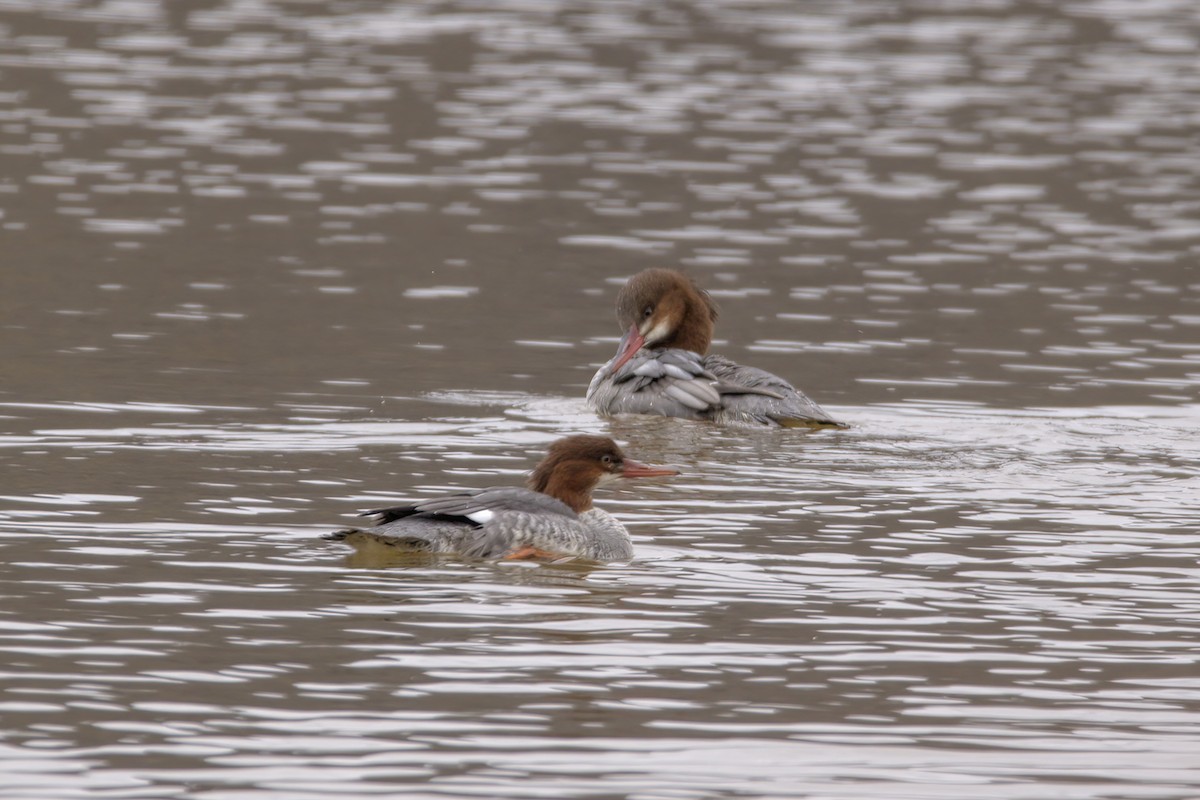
662	365
551	520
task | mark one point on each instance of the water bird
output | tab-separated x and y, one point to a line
663	366
553	519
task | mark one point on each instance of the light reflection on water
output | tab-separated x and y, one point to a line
920	603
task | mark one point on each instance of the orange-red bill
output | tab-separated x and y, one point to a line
631	342
636	469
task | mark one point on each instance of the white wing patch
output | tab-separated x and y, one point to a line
482	516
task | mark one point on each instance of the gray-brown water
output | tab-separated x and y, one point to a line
268	263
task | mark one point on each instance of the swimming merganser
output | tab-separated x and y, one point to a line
662	366
553	519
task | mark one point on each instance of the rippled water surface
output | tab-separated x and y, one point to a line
269	263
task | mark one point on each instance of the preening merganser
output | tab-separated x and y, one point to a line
662	365
552	519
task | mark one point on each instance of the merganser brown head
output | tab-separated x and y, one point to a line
663	308
576	465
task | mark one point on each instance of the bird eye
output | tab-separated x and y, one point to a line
647	311
606	459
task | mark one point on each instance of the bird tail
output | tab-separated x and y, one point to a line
359	539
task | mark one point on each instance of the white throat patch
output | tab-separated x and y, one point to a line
607	478
658	332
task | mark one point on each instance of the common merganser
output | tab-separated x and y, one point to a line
662	365
553	519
